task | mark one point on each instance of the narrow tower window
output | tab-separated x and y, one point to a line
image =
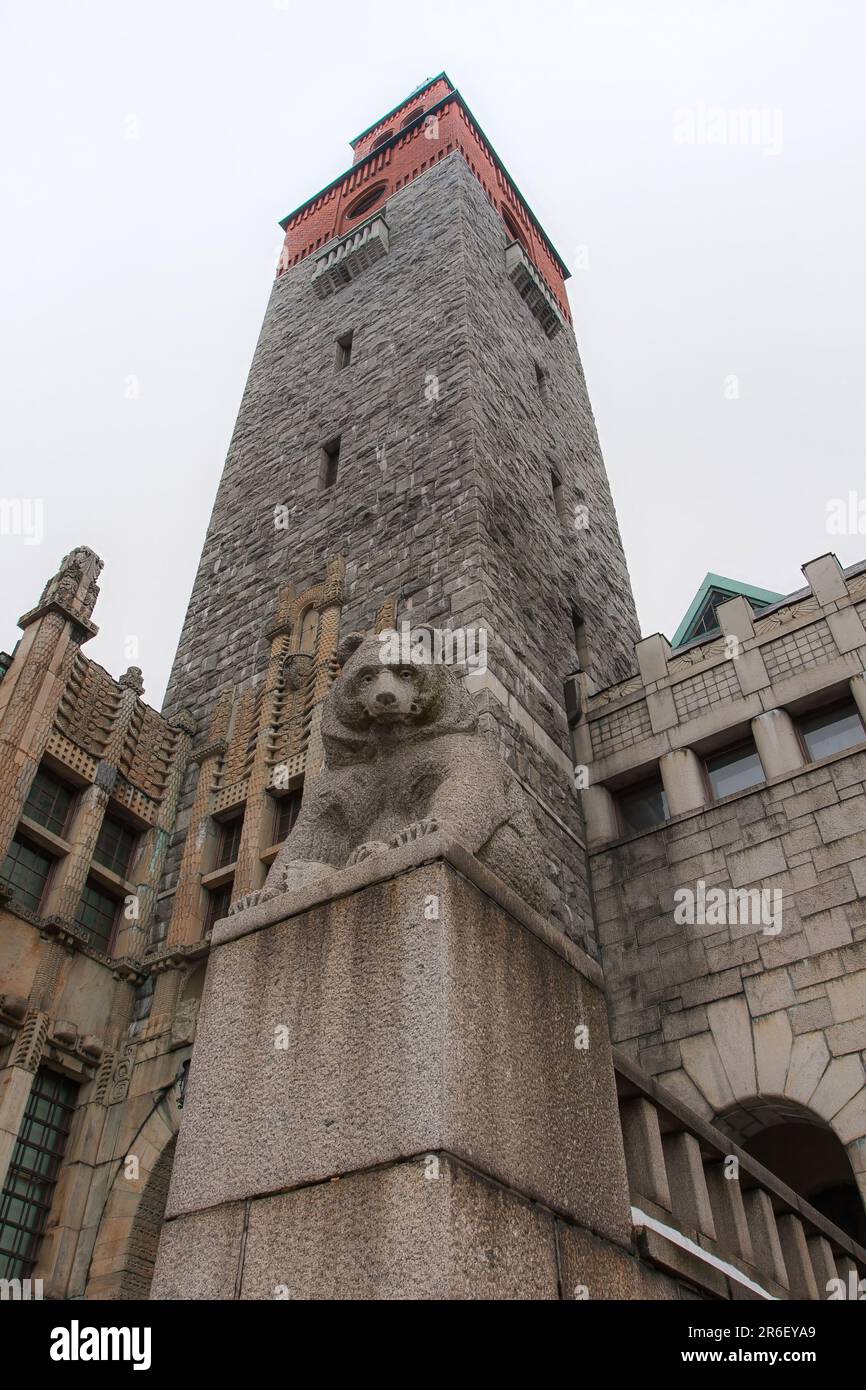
330	462
559	501
541	381
344	351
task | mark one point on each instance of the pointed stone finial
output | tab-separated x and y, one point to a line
132	680
184	721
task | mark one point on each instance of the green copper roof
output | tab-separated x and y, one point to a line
730	588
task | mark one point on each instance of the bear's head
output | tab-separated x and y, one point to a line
381	688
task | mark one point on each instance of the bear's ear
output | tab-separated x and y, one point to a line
348	644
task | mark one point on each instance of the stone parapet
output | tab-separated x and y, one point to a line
435	1046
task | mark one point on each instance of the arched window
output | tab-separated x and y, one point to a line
801	1149
309	632
381	139
366	201
512	227
412	116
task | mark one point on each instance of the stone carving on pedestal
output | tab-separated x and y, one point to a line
404	759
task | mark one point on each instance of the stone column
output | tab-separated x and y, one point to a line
68	883
31	691
146	872
858	690
187	918
777	743
599	811
410	1028
684	781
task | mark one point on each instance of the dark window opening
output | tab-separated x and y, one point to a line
26	870
329	464
367	201
97	914
558	495
344	351
541	381
26	1198
706	620
642	807
287	811
381	139
218	904
831	731
49	801
735	770
229	842
114	846
512	227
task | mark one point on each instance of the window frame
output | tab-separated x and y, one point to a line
743	745
849	704
631	789
104	944
21	838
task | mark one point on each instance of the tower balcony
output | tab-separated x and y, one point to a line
532	288
344	259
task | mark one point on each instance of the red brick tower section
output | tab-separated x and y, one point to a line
405	143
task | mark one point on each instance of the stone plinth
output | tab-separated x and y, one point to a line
387	1099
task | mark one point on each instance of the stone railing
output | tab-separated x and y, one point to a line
743	1236
344	259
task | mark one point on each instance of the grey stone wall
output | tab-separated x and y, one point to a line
722	1014
443	494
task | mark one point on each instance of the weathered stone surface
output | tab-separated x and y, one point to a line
199	1255
427	1229
405	1034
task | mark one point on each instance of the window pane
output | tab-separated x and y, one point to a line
114	846
219	901
96	914
26	1201
49	801
832	731
26	870
288	808
734	771
643	807
230	839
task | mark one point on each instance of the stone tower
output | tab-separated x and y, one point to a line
416	418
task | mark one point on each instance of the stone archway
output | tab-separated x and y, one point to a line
803	1152
121	1264
742	1065
146	1226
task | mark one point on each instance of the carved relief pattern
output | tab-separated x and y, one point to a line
30	1042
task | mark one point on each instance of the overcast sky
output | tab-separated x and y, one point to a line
150	147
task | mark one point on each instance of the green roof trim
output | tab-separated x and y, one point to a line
440	76
762	597
453	95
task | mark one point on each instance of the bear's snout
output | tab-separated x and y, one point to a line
389	697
